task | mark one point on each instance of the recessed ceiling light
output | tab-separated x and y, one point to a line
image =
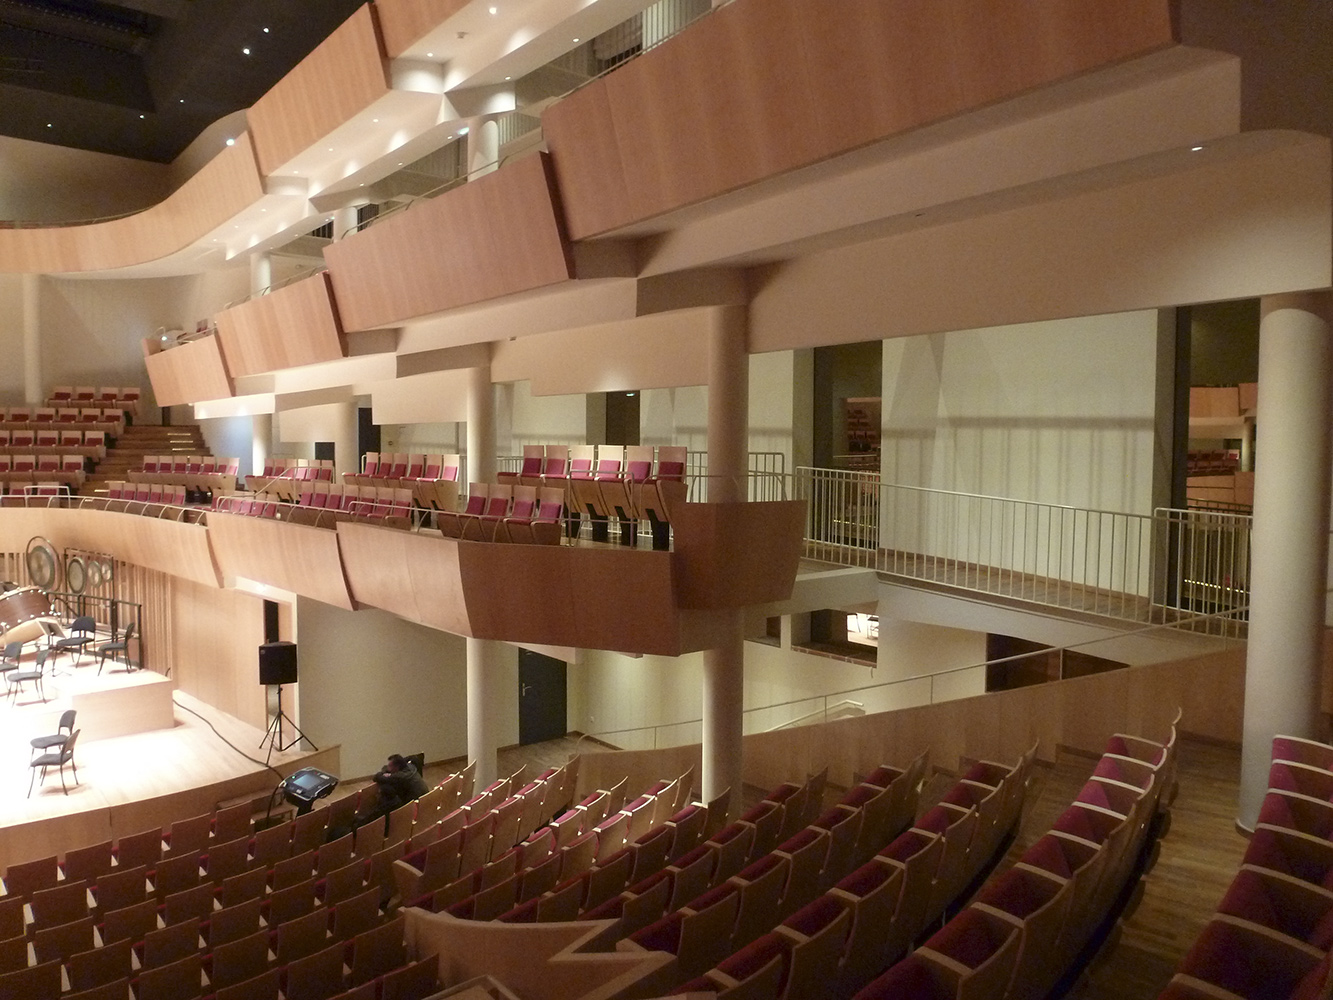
141	116
48	125
464	130
400	163
266	31
245	51
1195	149
430	55
182	100
576	41
495	10
231	142
375	121
330	149
509	78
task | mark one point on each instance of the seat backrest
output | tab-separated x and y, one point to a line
534	458
671	462
449	472
580	461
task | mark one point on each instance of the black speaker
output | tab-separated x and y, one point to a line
277	663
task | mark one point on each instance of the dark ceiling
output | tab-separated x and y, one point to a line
142	78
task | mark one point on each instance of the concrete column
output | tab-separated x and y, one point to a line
344	221
346	457
261	273
261	440
483	678
728	406
483	148
724	664
480	426
34	388
1289	562
1247	446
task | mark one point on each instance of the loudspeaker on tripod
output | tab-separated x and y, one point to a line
277	663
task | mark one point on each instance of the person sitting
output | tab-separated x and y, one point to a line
398	783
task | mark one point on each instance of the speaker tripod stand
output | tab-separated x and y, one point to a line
273	736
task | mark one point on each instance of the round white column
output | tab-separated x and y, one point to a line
346	456
480	426
261	273
34	391
1289	561
724	664
261	440
483	148
483	678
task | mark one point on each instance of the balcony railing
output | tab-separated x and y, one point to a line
1135	567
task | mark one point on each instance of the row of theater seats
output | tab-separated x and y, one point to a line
392	469
1272	932
67	469
325	507
1029	926
197	473
110	420
120	496
107	396
89	444
606	481
574	843
505	513
1211	463
204	906
284	475
863	915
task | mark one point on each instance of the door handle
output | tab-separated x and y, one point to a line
523	690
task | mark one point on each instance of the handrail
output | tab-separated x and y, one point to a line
927	679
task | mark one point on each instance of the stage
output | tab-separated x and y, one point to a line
173	767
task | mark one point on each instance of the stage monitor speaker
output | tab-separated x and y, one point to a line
277	663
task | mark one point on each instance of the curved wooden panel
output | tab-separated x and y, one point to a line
343	76
405	22
293	557
226	186
390	569
293	326
176	548
761	87
729	555
189	373
491	237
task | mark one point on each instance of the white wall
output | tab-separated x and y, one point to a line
230	437
379	685
610	694
1060	412
542	419
675	416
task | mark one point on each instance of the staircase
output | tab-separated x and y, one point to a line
134	443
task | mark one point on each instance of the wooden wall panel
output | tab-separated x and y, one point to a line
214	649
765	86
189	373
225	187
729	555
292	326
172	547
405	22
494	236
343	76
294	557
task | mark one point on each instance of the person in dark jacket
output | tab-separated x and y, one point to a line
399	783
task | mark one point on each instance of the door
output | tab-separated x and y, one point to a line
541	697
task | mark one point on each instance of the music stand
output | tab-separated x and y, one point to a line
53	630
273	735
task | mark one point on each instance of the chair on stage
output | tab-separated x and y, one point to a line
82	632
117	647
9	660
17	678
60	737
56	758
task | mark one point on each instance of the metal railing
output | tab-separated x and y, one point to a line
908	692
1136	567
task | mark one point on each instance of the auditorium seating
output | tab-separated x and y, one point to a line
1031	924
432	479
199	473
285	476
1272	931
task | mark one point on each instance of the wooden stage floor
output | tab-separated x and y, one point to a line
126	783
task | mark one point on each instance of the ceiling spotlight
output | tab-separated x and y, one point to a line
495	10
245	51
266	31
374	121
1195	149
48	125
182	100
509	78
141	116
231	142
576	41
430	55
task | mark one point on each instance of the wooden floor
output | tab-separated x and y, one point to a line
120	778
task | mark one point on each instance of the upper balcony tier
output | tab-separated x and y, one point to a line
726	556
